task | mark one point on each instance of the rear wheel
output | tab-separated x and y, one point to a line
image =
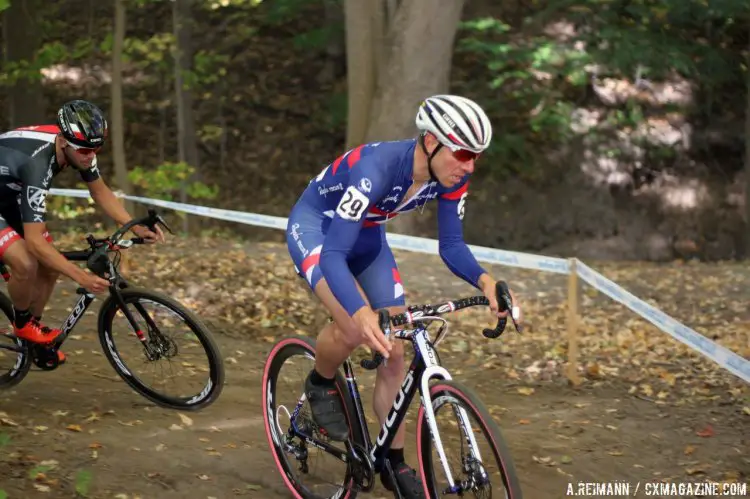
482	470
308	472
15	359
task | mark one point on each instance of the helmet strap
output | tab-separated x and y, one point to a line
429	156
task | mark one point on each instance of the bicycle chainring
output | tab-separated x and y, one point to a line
45	358
362	469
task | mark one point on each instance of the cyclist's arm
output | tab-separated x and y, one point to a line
453	250
106	199
344	230
36	177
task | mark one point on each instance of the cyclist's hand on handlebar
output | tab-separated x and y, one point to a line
93	283
489	290
148	235
367	322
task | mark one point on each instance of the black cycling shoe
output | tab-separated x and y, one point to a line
409	484
327	410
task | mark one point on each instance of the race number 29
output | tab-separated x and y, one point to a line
352	205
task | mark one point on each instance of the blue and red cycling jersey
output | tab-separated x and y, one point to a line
336	230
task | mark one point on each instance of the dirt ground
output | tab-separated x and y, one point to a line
82	420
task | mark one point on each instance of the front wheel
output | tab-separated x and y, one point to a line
477	458
155	332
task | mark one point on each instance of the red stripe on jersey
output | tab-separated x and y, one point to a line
377	211
310	261
457	193
396	276
41	128
352	159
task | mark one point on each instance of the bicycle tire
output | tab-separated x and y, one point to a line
212	389
450	391
282	350
23	364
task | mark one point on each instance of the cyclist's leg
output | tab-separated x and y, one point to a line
381	282
46	279
15	253
24	278
337	339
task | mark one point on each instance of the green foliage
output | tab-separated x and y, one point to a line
540	79
166	180
4	4
65	208
83	482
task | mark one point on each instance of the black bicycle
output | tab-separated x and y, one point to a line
130	318
446	407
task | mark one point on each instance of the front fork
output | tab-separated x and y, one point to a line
435	370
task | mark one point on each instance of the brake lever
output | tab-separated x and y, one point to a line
504	303
161	221
384	321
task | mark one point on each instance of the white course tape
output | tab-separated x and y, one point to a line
719	354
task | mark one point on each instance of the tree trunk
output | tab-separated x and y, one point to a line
186	140
20	31
361	57
746	249
117	117
417	64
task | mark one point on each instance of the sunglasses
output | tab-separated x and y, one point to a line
84	150
465	156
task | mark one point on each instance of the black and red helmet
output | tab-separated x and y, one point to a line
82	124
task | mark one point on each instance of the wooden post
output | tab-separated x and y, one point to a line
572	367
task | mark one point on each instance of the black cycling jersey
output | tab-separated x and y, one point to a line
28	164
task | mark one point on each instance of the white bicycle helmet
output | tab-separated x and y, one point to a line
457	122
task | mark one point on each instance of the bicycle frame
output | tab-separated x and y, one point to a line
85	301
424	367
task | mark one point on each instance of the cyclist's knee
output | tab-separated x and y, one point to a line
48	274
23	266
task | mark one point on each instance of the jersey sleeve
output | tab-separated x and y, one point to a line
367	184
36	176
90	174
453	250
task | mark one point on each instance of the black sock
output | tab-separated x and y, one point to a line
317	379
21	317
395	457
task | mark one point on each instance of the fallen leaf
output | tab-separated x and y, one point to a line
95	445
185	420
523	421
176	427
689	450
41	488
203	477
746	410
566	460
7	422
525	390
74	427
706	432
41	428
615	453
160	447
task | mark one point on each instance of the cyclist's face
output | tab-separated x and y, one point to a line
80	157
451	167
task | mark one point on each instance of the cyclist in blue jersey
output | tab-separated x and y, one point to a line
336	239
